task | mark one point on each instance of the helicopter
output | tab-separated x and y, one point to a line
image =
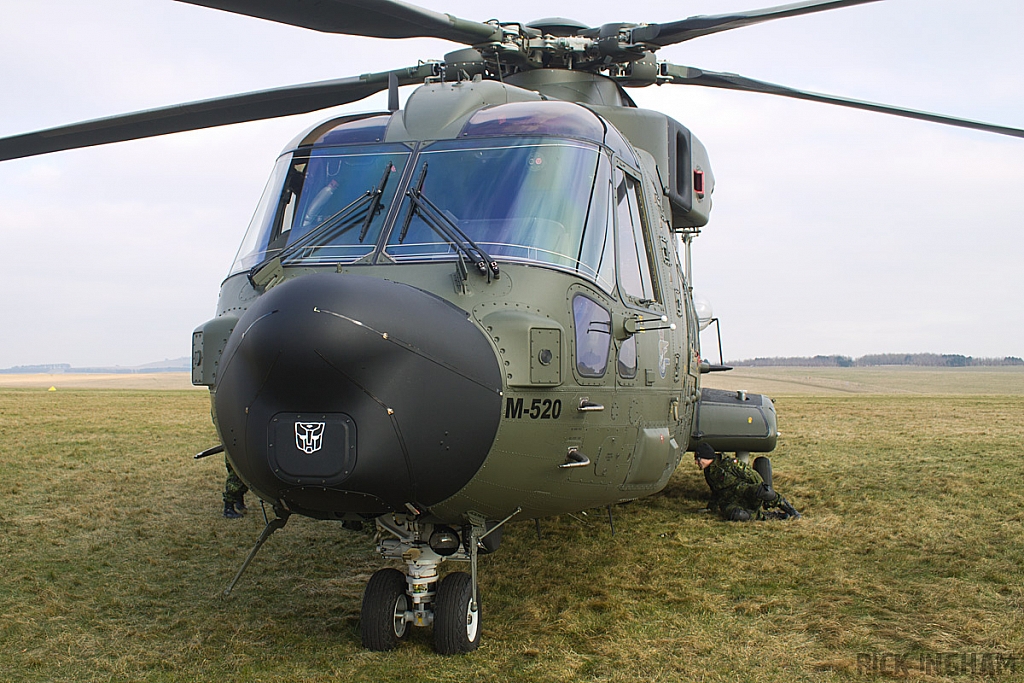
475	308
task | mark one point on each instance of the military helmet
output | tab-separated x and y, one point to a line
704	452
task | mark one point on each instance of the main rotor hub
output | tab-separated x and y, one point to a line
558	26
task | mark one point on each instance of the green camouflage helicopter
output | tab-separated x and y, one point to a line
498	321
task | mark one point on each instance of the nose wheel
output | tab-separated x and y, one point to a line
385	603
456	616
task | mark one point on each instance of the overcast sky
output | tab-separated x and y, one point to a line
834	231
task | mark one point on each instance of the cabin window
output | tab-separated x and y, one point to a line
635	249
593	325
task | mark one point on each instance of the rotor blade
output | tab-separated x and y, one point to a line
660	35
686	75
263	104
374	18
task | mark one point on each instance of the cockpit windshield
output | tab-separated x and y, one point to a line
321	190
519	199
528	199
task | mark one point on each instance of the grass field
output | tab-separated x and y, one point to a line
907	563
783	381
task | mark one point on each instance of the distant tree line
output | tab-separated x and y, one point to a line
176	365
51	369
934	360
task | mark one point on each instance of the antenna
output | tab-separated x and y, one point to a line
392	91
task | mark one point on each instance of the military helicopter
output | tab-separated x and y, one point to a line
473	309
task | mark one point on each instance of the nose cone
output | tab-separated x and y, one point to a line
342	393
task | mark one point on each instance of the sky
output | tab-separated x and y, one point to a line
833	231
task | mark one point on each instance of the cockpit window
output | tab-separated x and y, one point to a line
368	129
527	199
542	200
329	194
254	244
563	119
617	143
635	251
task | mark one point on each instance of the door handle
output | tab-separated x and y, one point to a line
573	458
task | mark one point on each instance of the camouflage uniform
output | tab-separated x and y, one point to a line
234	489
734	488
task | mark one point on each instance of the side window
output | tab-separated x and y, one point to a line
606	272
593	336
597	253
634	242
286	205
627	359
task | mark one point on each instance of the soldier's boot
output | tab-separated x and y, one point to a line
739	515
230	512
791	512
240	506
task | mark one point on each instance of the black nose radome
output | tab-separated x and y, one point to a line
342	393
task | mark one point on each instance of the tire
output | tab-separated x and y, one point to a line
385	601
456	625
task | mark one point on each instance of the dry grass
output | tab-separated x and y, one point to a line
114	555
784	381
157	381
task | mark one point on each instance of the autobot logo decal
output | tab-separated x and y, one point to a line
663	346
309	436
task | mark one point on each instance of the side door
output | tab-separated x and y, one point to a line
646	364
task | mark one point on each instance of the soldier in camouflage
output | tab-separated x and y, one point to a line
738	491
234	494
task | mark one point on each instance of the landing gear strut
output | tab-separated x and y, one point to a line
393	601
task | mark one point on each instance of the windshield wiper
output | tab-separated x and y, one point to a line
375	205
444	226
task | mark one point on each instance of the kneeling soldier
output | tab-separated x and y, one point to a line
740	492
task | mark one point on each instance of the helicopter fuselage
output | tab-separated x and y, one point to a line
471	307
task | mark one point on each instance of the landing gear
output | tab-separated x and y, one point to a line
394	600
